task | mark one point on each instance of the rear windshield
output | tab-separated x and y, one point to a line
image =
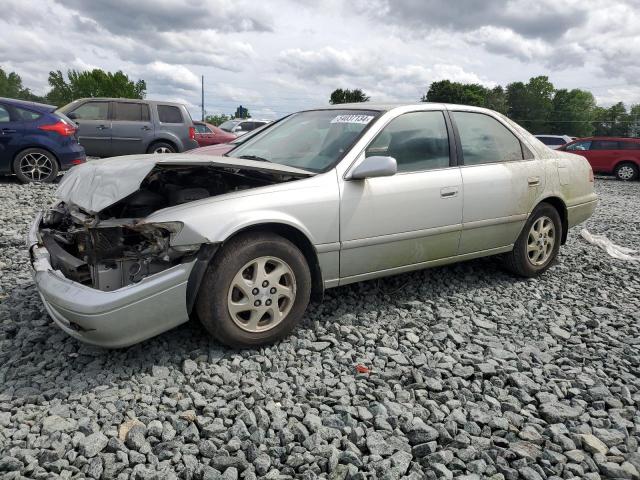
169	114
228	125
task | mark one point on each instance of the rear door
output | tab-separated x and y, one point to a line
501	180
94	127
131	128
604	155
10	137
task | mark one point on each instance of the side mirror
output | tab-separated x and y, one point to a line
376	166
72	115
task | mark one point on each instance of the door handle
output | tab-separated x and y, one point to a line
102	127
533	181
448	192
145	128
8	130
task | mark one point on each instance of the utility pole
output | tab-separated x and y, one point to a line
203	98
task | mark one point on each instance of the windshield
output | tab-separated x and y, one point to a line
229	124
313	140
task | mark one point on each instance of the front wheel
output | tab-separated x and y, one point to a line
626	171
538	244
255	291
35	165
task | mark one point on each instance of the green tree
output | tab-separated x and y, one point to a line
339	96
613	121
531	104
93	83
11	87
217	120
446	91
242	112
572	113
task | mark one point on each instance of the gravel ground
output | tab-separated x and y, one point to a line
469	373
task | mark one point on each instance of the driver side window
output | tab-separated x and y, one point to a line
417	140
580	146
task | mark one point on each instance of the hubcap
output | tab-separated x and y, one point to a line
625	172
36	166
162	150
261	294
542	238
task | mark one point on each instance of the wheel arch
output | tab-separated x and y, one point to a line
170	141
561	207
29	147
289	232
626	160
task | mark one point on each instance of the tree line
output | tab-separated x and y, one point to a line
536	105
76	84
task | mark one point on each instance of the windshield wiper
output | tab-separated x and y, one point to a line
254	157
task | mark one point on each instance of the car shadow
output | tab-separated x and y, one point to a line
31	341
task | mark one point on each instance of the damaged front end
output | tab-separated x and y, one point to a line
116	247
108	254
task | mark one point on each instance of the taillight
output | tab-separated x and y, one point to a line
61	128
192	133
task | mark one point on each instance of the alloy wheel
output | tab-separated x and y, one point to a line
626	172
162	150
36	166
261	294
541	240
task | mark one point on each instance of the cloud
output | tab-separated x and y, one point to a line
125	17
535	19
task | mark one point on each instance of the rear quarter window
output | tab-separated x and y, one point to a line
629	145
169	114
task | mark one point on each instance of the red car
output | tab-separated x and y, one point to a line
207	134
617	155
222	148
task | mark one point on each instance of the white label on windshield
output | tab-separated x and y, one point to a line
362	119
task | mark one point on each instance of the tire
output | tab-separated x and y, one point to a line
161	147
35	165
227	302
530	262
626	171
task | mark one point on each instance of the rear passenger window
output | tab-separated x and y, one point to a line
131	112
629	145
4	114
485	140
418	141
605	145
26	115
92	111
169	114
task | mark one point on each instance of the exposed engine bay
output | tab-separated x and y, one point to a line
116	247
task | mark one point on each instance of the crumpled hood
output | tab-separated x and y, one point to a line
98	184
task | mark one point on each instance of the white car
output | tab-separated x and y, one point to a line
240	127
555	141
322	198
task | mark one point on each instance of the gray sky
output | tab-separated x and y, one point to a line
278	56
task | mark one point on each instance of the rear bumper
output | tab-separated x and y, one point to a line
189	144
71	156
577	214
113	319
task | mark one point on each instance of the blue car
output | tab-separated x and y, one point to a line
36	142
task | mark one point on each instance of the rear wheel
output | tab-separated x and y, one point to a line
255	291
162	147
538	244
35	165
626	171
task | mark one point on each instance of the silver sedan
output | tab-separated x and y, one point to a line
135	245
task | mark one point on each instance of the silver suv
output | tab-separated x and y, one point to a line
110	127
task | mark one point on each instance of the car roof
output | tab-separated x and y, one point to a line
129	100
386	107
614	139
27	104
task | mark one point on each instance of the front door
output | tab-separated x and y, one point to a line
410	218
131	128
10	137
502	182
94	127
